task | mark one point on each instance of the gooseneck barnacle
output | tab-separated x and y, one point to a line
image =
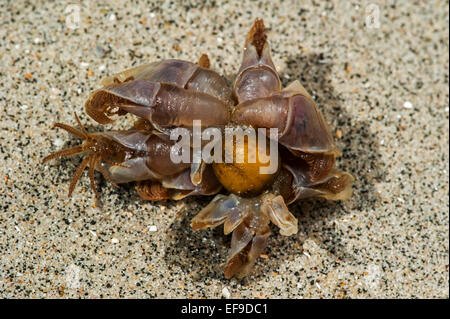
172	95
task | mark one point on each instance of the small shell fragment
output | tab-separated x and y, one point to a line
226	293
407	105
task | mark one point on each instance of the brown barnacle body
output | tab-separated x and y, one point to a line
169	93
173	93
301	126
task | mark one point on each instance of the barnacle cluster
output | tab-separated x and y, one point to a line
174	94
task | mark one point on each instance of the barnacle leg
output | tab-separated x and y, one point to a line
94	145
77	174
248	220
257	76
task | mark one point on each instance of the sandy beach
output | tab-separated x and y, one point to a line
378	71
